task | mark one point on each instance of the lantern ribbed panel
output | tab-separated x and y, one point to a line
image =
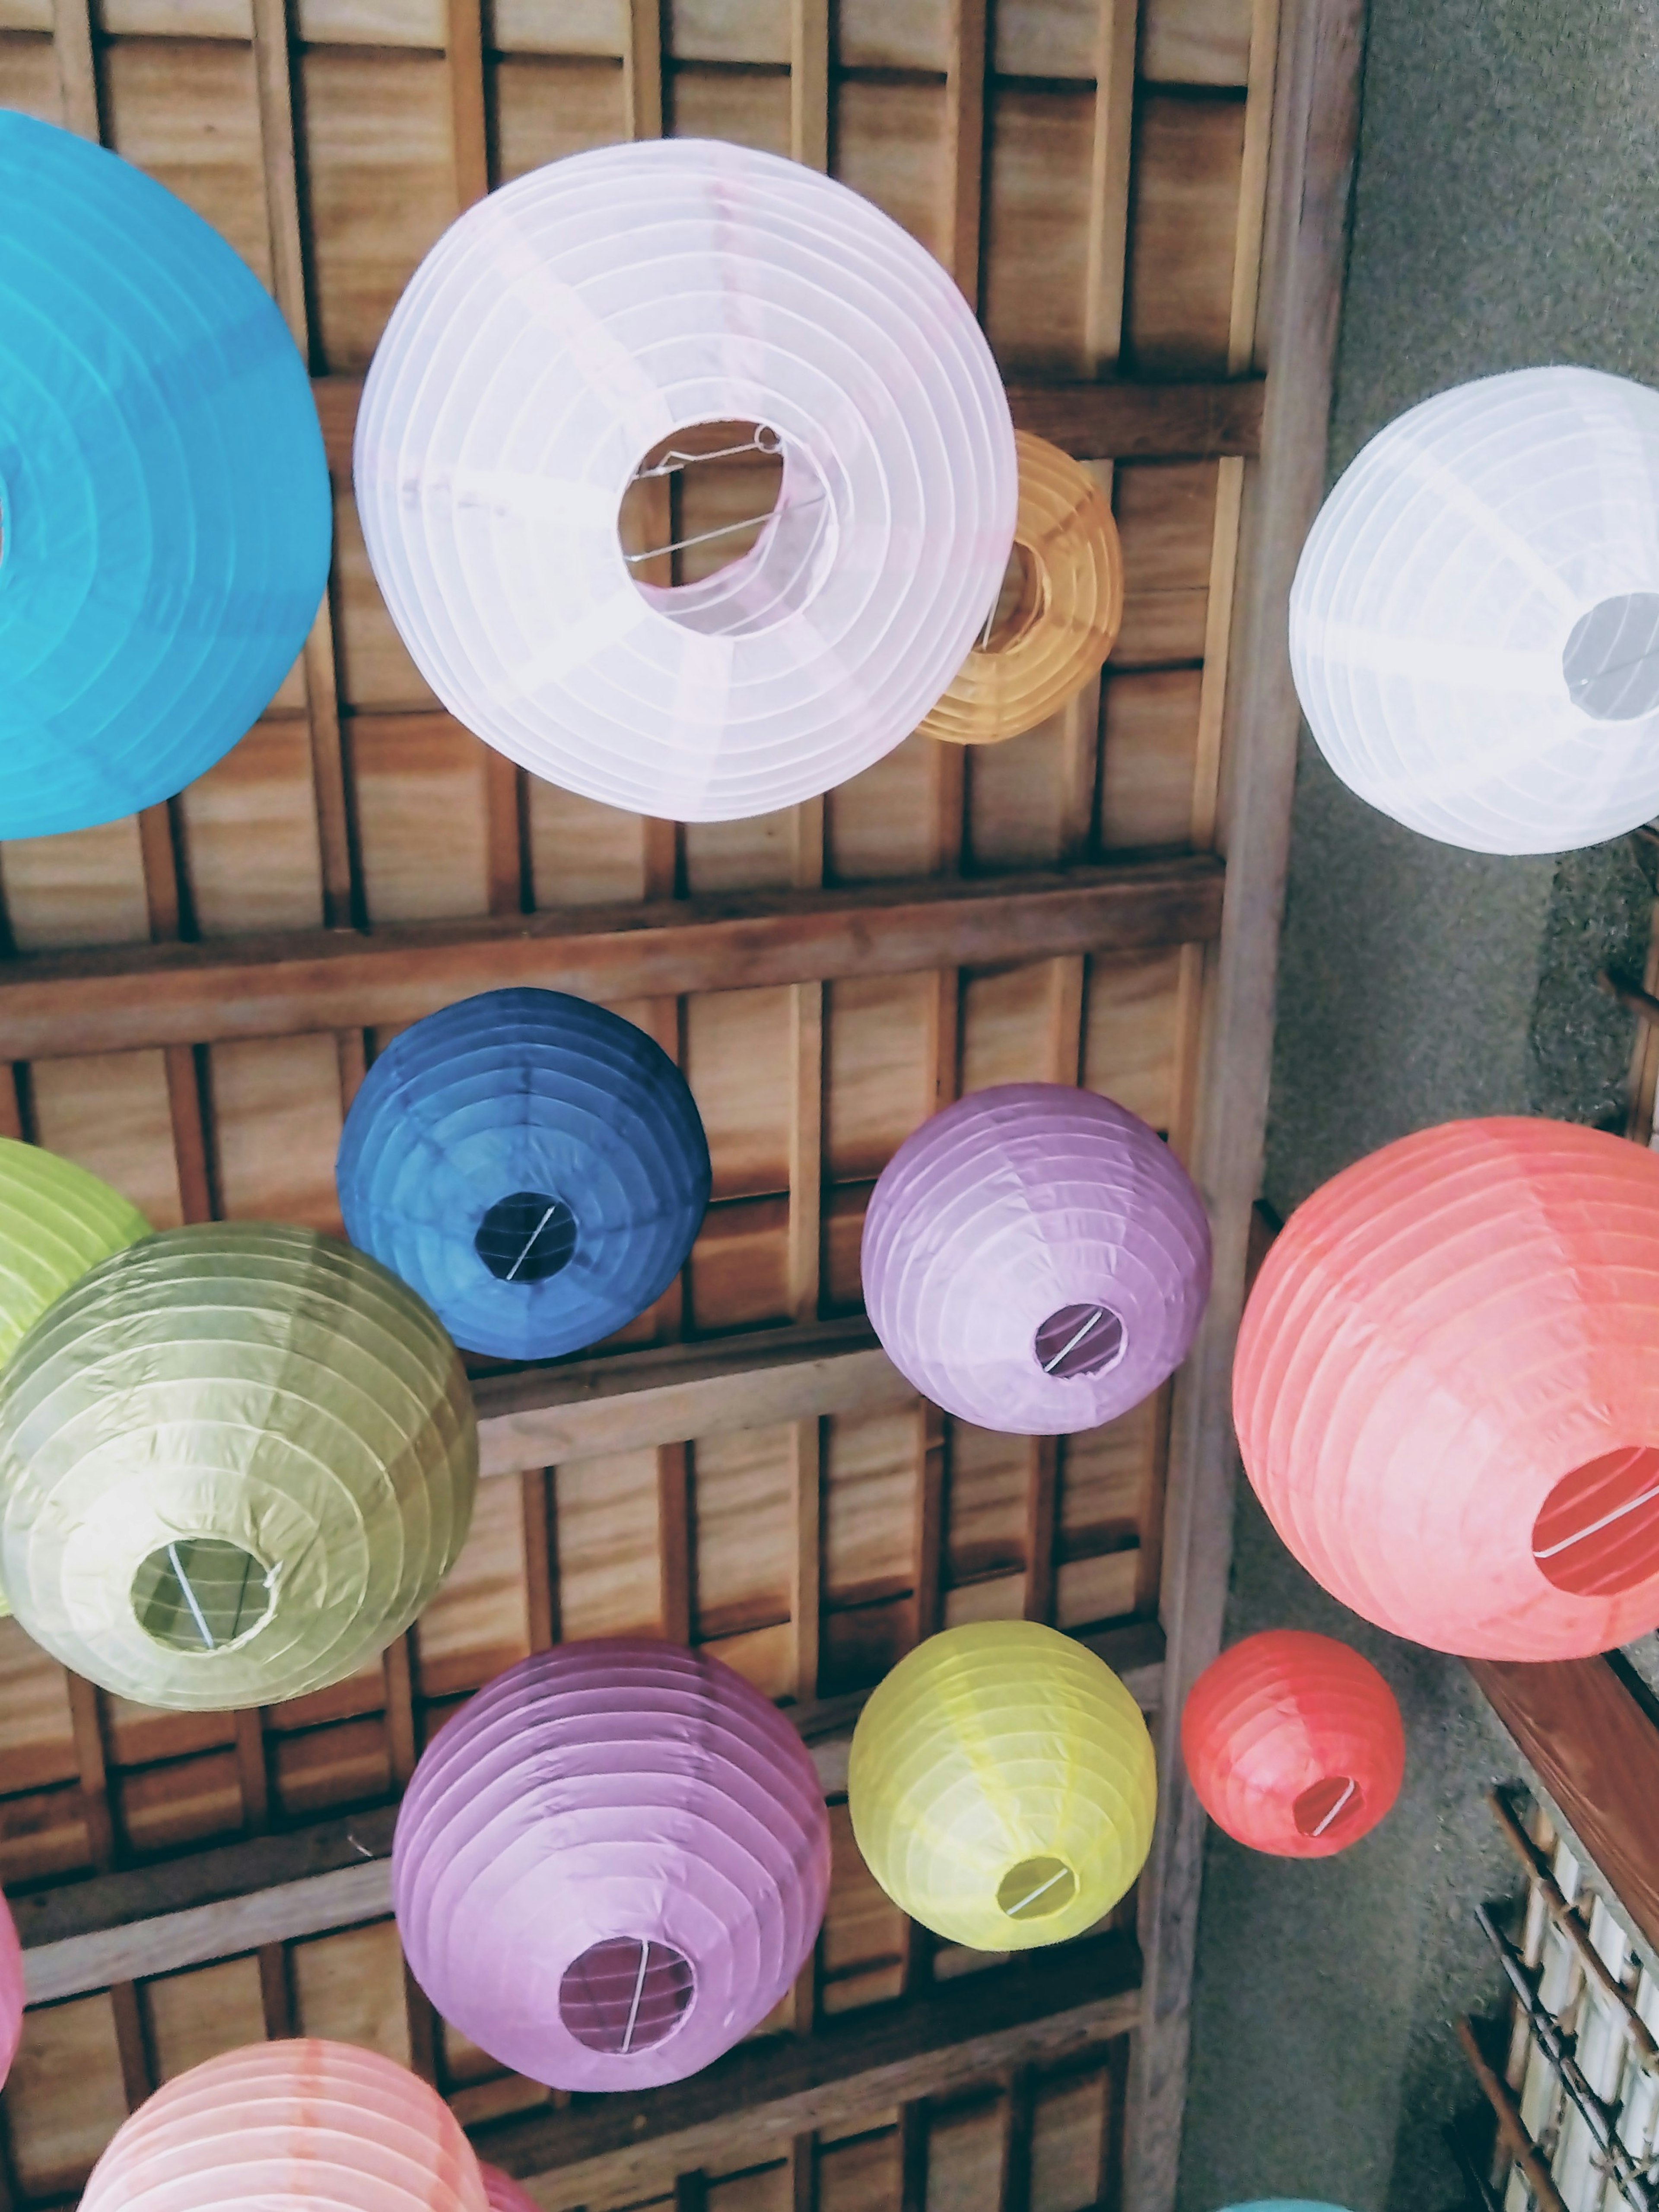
989	1747
567	324
1438	594
11	1991
56	1221
299	2126
264	1386
163	495
1277	1717
1069	541
504	2193
621	1792
533	1091
1012	1205
1440	1336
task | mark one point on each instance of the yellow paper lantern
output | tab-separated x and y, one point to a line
1002	1786
235	1461
56	1221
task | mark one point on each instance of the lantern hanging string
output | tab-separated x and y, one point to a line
1347	1792
638	1990
1042	1888
1093	1321
725	530
190	1599
530	1244
765	440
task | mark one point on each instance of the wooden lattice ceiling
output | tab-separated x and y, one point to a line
190	997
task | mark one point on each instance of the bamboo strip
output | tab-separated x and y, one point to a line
1108	185
1253	184
1218	634
809	82
961	226
1510	2123
642	69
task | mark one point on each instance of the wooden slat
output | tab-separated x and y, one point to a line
806	1565
632	1400
1314	136
761	2094
809	82
77	67
334	1874
1105	419
55	1003
964	145
1597	1752
642	68
674	1563
1108	185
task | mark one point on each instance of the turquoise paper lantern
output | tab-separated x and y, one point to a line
165	515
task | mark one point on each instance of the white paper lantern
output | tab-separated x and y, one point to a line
1474	623
571	322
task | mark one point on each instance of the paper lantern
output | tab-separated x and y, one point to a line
1294	1744
1036	1260
1475	621
503	2192
534	1166
12	1995
1002	1786
164	499
301	2126
56	1221
1067	617
1446	1388
235	1463
611	1865
564	327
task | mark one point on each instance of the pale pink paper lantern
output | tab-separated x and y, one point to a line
503	2192
294	2126
12	1996
572	322
611	1865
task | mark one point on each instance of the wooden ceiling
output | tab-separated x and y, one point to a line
190	997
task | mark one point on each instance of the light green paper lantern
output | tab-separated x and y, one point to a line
56	1221
235	1463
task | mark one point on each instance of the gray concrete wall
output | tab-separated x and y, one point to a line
1507	211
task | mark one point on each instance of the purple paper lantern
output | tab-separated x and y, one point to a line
1035	1259
611	1865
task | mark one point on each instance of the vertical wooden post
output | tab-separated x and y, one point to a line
1108	185
642	69
809	82
678	1565
78	68
963	216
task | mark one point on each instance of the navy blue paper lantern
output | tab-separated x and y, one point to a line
534	1166
165	516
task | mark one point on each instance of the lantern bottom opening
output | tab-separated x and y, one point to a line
626	1994
1597	1533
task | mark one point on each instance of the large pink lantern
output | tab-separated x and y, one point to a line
611	1865
299	2126
12	1998
1035	1259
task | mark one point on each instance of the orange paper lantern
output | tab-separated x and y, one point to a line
1446	1388
12	1997
1293	1743
301	2126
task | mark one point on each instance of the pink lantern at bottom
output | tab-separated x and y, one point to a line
12	1997
1294	1744
299	2126
611	1865
504	2193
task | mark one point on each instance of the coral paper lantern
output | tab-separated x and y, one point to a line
611	1865
504	2193
56	1221
235	1461
1446	1388
1294	1744
12	1995
1474	623
534	1166
164	499
572	322
1036	1260
1067	617
1002	1786
301	2126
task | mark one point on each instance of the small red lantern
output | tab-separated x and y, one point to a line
1293	1743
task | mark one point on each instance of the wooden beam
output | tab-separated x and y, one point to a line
131	998
670	1392
1103	419
337	1873
607	2150
1595	1749
1313	135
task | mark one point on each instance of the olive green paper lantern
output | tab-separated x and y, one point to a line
56	1221
235	1463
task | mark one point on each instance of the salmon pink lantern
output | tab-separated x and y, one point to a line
299	2126
1446	1388
593	309
11	1990
504	2193
1293	1743
611	1865
1036	1260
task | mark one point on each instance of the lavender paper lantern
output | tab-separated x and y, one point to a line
611	1865
1036	1260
